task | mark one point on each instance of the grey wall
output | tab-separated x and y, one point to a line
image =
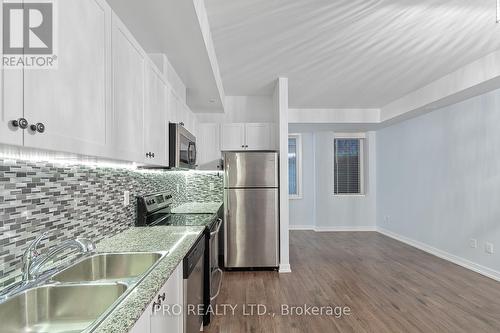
438	179
79	201
326	211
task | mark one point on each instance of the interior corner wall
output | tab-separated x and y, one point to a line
303	210
344	212
319	209
439	181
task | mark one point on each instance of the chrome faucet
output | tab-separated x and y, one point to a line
33	262
29	255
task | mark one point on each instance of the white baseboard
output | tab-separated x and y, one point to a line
344	229
300	227
285	269
488	272
332	229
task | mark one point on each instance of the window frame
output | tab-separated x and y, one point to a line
299	195
362	141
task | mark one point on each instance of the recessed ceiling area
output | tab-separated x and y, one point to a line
171	27
347	53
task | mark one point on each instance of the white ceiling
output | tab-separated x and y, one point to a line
347	53
171	27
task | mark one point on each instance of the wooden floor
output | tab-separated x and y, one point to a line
389	287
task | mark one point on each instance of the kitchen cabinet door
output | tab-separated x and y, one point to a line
188	118
128	94
209	150
11	99
233	136
258	136
174	107
72	101
170	318
155	127
143	324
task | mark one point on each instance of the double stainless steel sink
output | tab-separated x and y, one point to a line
111	266
79	297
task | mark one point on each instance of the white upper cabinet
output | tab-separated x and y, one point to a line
258	137
73	100
128	94
247	136
155	122
174	107
209	149
233	136
105	98
11	100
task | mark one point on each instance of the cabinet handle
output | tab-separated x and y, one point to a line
40	128
21	123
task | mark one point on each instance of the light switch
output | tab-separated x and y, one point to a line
126	198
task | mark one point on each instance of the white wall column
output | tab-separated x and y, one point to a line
282	108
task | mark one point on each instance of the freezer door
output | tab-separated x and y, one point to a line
250	169
251	228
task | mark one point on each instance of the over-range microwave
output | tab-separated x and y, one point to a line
182	150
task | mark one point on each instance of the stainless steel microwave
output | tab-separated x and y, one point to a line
182	150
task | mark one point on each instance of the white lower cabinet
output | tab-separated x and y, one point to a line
170	316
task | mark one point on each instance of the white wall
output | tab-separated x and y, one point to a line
303	210
439	180
320	209
243	109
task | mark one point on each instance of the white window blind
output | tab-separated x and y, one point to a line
348	166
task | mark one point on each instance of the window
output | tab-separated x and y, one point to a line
348	165
295	166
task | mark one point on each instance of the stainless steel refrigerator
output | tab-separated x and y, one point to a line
251	204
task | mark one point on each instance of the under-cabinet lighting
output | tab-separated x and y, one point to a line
13	154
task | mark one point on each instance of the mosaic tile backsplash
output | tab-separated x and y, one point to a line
80	201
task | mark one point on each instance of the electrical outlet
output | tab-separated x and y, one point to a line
488	248
178	188
212	186
473	243
126	198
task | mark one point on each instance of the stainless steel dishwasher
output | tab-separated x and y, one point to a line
194	287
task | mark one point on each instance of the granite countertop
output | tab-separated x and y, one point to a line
197	208
191	219
177	240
